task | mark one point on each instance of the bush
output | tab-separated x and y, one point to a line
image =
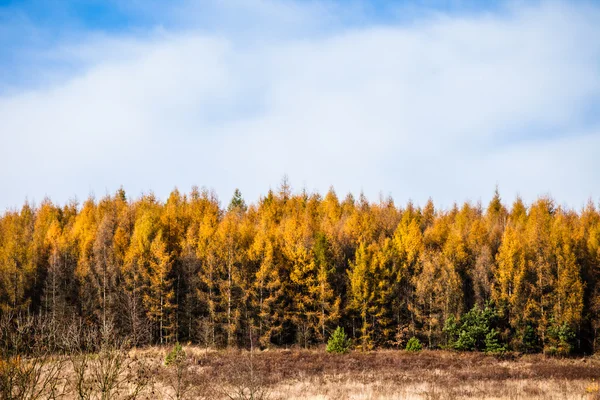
176	359
526	339
338	342
561	339
176	356
474	331
414	344
492	344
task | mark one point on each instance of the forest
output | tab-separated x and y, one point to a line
290	269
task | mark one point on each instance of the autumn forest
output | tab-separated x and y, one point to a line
289	269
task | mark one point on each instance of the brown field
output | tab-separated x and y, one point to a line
314	374
384	374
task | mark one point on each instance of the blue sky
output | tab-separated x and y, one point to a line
31	28
404	98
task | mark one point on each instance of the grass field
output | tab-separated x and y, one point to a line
299	374
385	374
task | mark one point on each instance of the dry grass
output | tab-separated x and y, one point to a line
314	374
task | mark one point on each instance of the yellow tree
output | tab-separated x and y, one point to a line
438	292
159	295
512	287
84	234
327	301
569	289
514	280
269	288
386	217
438	284
510	270
589	226
207	216
331	224
104	267
387	275
458	253
296	240
229	256
245	276
174	221
137	260
373	278
428	215
496	217
17	267
311	267
541	264
362	292
271	285
190	265
568	296
331	212
480	270
408	243
360	223
54	299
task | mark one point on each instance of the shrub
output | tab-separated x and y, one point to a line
492	344
246	382
176	356
560	339
338	342
528	340
414	344
474	331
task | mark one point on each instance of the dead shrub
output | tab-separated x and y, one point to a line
102	367
245	381
29	368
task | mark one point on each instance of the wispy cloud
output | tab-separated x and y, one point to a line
239	93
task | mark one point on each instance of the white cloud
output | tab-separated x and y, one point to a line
446	106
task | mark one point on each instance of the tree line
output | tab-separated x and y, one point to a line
291	268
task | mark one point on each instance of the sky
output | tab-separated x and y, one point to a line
409	99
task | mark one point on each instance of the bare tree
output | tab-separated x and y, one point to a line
30	367
102	366
246	382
